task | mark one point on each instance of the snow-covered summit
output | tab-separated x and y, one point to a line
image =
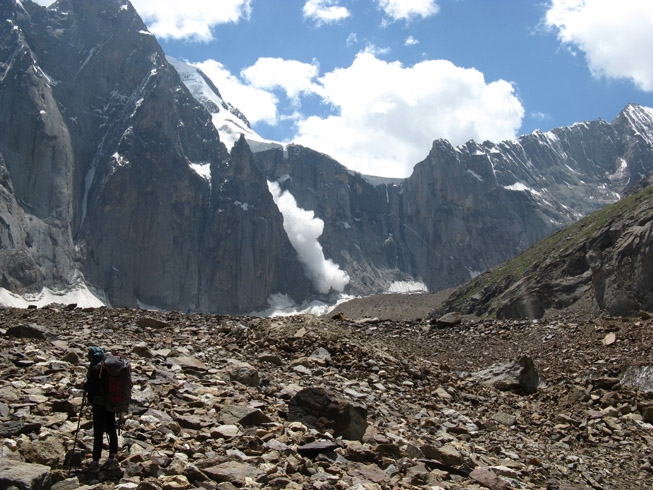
227	119
641	119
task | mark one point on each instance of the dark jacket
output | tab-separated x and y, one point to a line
96	382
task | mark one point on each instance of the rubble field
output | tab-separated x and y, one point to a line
307	402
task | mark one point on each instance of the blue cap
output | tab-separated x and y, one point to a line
95	353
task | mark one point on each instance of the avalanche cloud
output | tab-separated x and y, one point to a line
303	230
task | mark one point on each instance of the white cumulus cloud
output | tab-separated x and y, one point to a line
616	37
294	77
408	9
387	115
190	19
384	116
303	230
325	11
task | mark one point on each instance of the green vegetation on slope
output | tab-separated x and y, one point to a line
559	254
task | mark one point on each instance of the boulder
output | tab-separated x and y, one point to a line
15	428
243	372
28	332
245	416
49	451
312	449
488	479
24	476
447	320
322	409
519	376
639	378
446	454
190	363
153	323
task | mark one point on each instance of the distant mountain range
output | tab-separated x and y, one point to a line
125	172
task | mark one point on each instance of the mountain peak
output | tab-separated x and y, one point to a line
640	117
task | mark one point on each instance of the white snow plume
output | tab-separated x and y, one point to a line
303	230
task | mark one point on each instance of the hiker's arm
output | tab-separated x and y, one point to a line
91	383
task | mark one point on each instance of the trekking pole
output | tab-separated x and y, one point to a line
79	421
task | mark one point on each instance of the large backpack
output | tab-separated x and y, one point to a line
119	383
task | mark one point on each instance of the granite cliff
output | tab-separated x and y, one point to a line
465	209
100	145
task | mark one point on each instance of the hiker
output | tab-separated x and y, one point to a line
103	419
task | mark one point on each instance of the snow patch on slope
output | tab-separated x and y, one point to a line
408	287
78	294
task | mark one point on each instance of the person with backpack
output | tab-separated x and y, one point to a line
97	380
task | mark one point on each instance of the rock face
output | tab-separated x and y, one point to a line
112	173
465	209
98	157
605	259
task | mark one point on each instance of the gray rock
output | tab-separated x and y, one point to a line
71	357
312	449
243	372
227	431
321	408
49	451
24	476
15	428
446	454
504	418
235	472
638	377
67	484
245	416
151	323
518	376
321	354
187	362
487	478
447	320
647	414
271	358
29	332
142	351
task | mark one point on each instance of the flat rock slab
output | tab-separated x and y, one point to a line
235	472
188	363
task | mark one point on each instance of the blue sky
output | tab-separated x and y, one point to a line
374	82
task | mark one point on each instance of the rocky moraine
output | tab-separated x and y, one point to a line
230	402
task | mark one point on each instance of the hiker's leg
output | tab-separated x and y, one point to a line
110	424
98	431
